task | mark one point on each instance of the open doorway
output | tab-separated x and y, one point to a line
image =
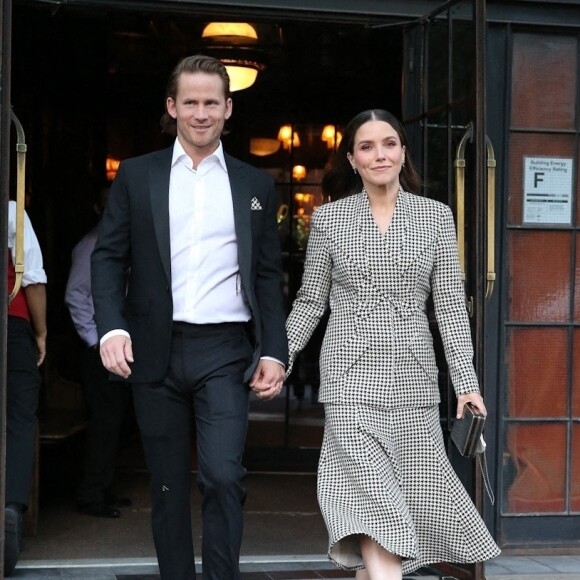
88	86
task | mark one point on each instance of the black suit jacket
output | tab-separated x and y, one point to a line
131	263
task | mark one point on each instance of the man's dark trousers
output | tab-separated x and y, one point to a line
23	386
205	373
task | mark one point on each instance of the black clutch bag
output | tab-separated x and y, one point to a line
466	432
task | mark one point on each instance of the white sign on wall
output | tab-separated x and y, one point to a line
548	190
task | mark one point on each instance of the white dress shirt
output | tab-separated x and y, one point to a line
205	277
33	268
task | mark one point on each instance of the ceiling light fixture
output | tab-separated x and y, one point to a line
226	37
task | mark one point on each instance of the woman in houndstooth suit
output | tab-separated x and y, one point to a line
389	496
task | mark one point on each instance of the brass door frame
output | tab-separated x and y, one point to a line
20	194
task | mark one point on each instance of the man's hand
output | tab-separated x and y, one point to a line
116	354
41	345
475	399
268	379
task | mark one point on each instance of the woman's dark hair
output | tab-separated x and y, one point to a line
189	65
339	180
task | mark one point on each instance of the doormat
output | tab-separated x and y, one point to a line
302	574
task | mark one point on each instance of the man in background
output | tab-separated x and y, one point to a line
26	349
106	401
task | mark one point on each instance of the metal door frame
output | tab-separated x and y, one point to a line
415	98
5	58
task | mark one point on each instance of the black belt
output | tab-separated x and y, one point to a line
181	327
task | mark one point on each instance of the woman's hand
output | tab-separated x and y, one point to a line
268	379
474	399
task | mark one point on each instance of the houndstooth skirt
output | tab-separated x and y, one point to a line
385	473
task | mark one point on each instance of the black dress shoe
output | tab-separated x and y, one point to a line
98	510
12	538
117	502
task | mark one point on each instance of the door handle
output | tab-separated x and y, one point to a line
20	177
459	165
490	218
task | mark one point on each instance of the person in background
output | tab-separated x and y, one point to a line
26	350
201	318
106	401
389	496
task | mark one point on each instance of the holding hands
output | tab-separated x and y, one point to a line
268	379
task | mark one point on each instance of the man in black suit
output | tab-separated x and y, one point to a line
187	286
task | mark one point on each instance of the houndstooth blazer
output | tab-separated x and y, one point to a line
378	348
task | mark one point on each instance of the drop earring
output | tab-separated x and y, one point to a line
354	169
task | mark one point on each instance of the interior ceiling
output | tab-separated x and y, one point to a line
315	72
308	65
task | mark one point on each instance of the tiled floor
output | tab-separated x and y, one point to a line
284	538
284	535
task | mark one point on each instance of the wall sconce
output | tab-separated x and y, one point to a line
331	136
298	172
288	137
262	146
242	71
111	166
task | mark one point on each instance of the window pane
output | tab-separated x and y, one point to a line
575	484
537	372
576	375
438	63
576	165
535	469
544	81
436	169
463	56
539	265
577	282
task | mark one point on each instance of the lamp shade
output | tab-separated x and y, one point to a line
331	136
229	29
262	146
288	137
111	166
242	75
299	172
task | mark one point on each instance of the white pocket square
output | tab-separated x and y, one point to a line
255	204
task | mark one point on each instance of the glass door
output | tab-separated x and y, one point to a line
539	481
443	98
